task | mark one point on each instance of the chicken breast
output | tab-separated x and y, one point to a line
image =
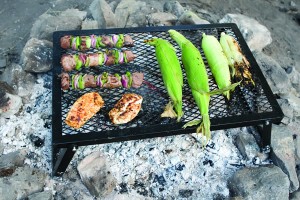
83	109
126	108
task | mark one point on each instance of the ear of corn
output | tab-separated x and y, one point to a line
237	60
217	62
171	74
197	80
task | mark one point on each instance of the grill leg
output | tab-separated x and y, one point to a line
61	157
266	133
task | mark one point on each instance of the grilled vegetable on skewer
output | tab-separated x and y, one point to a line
171	75
217	62
70	62
93	41
104	80
83	109
237	61
126	109
198	81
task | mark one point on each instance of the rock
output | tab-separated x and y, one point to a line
12	106
297	18
2	62
9	162
102	13
247	145
297	145
45	195
294	77
286	109
73	13
189	17
259	183
75	188
3	99
21	81
295	195
1	148
95	175
293	102
283	154
23	182
256	35
46	24
4	86
89	24
274	73
174	7
293	4
37	56
131	13
162	19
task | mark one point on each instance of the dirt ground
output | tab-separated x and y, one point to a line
281	17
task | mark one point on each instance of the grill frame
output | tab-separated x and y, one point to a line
68	141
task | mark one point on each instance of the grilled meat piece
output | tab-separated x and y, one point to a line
65	81
137	79
68	62
126	109
83	109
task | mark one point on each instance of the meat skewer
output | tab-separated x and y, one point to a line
70	62
104	80
93	41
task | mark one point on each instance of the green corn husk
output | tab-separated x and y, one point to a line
171	75
217	62
197	79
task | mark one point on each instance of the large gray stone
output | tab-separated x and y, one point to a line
9	162
102	13
260	183
283	154
256	35
247	145
162	19
1	148
131	13
37	56
286	109
293	101
4	86
24	181
89	24
95	175
73	13
3	98
189	17
46	24
174	7
21	81
274	73
45	195
295	195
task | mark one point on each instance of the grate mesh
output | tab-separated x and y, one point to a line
245	99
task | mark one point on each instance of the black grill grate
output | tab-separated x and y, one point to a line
246	100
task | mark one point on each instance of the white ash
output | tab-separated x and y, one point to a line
16	130
173	166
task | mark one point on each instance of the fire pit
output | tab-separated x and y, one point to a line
249	105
